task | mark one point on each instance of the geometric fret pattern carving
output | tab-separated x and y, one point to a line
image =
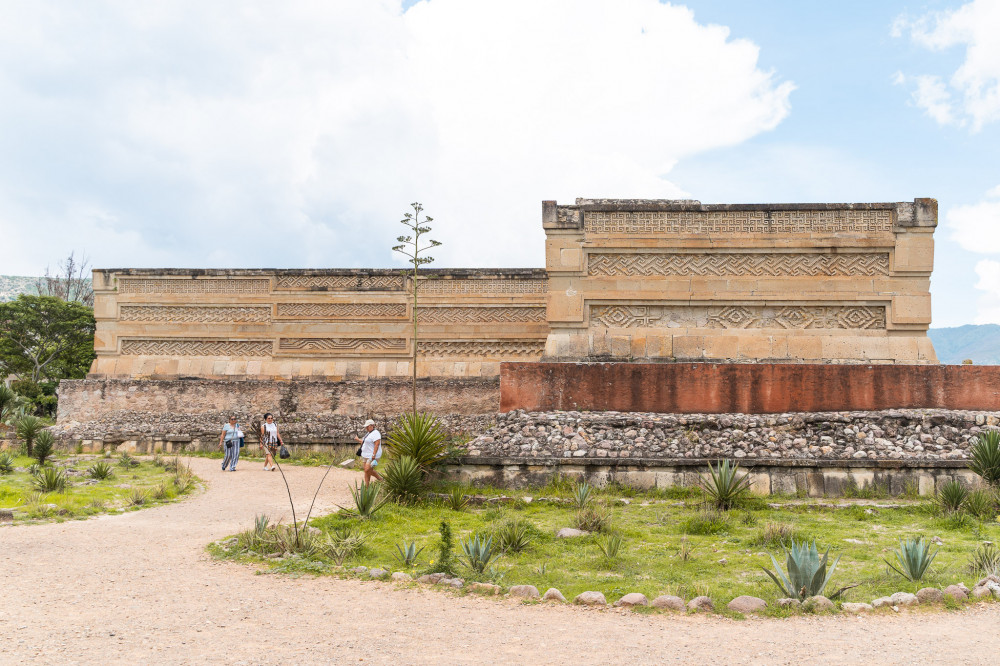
341	344
738	222
342	310
502	349
341	282
855	317
185	313
130	285
458	315
749	264
181	347
498	286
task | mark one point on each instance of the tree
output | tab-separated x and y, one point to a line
409	246
43	337
72	283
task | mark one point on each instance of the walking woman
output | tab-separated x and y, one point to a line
230	438
270	439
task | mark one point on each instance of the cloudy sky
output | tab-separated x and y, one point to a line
295	134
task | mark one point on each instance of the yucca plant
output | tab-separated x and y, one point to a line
137	497
403	479
610	545
456	499
101	471
49	480
420	437
8	402
582	495
913	558
985	456
127	461
45	443
6	461
477	553
513	535
985	560
980	504
724	484
807	573
367	500
27	427
951	496
407	553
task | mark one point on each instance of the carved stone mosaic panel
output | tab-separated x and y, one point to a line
859	317
750	264
501	286
196	313
187	347
341	282
341	344
135	285
459	315
482	349
341	310
738	222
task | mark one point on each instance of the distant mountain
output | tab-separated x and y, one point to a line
980	343
11	286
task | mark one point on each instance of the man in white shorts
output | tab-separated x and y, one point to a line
371	451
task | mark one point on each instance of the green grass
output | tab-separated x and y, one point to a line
724	562
84	496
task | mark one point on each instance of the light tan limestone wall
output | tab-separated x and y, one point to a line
678	280
323	324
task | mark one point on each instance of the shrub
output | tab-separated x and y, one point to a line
980	505
582	495
913	558
343	542
137	497
45	442
367	502
49	480
513	535
875	490
161	492
403	479
724	485
776	535
8	402
807	574
610	545
593	518
445	549
685	552
456	499
951	496
478	553
101	471
127	461
420	437
705	522
27	428
6	461
407	553
985	456
985	560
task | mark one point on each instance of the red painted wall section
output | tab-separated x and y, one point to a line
718	388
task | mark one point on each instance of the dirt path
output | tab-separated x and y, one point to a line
139	588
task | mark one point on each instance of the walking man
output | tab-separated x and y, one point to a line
371	451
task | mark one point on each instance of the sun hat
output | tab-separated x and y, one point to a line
369	422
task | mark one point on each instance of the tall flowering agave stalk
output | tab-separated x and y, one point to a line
807	573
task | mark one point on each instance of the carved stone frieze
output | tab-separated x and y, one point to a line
341	282
738	222
341	311
190	347
341	344
859	317
196	313
143	285
458	315
756	264
494	286
500	349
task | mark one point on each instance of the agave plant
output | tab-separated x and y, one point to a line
343	542
45	443
513	535
420	437
101	471
49	480
985	560
456	499
407	553
724	484
913	557
478	553
27	428
403	479
951	496
367	500
137	497
582	494
6	461
610	545
985	456
807	573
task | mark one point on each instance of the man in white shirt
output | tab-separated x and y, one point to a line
371	451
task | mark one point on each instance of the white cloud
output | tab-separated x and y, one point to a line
977	81
989	282
976	227
296	134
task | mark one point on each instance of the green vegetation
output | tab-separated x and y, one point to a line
913	558
985	456
951	496
81	486
420	437
724	485
807	573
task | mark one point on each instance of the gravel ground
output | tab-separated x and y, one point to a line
140	588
